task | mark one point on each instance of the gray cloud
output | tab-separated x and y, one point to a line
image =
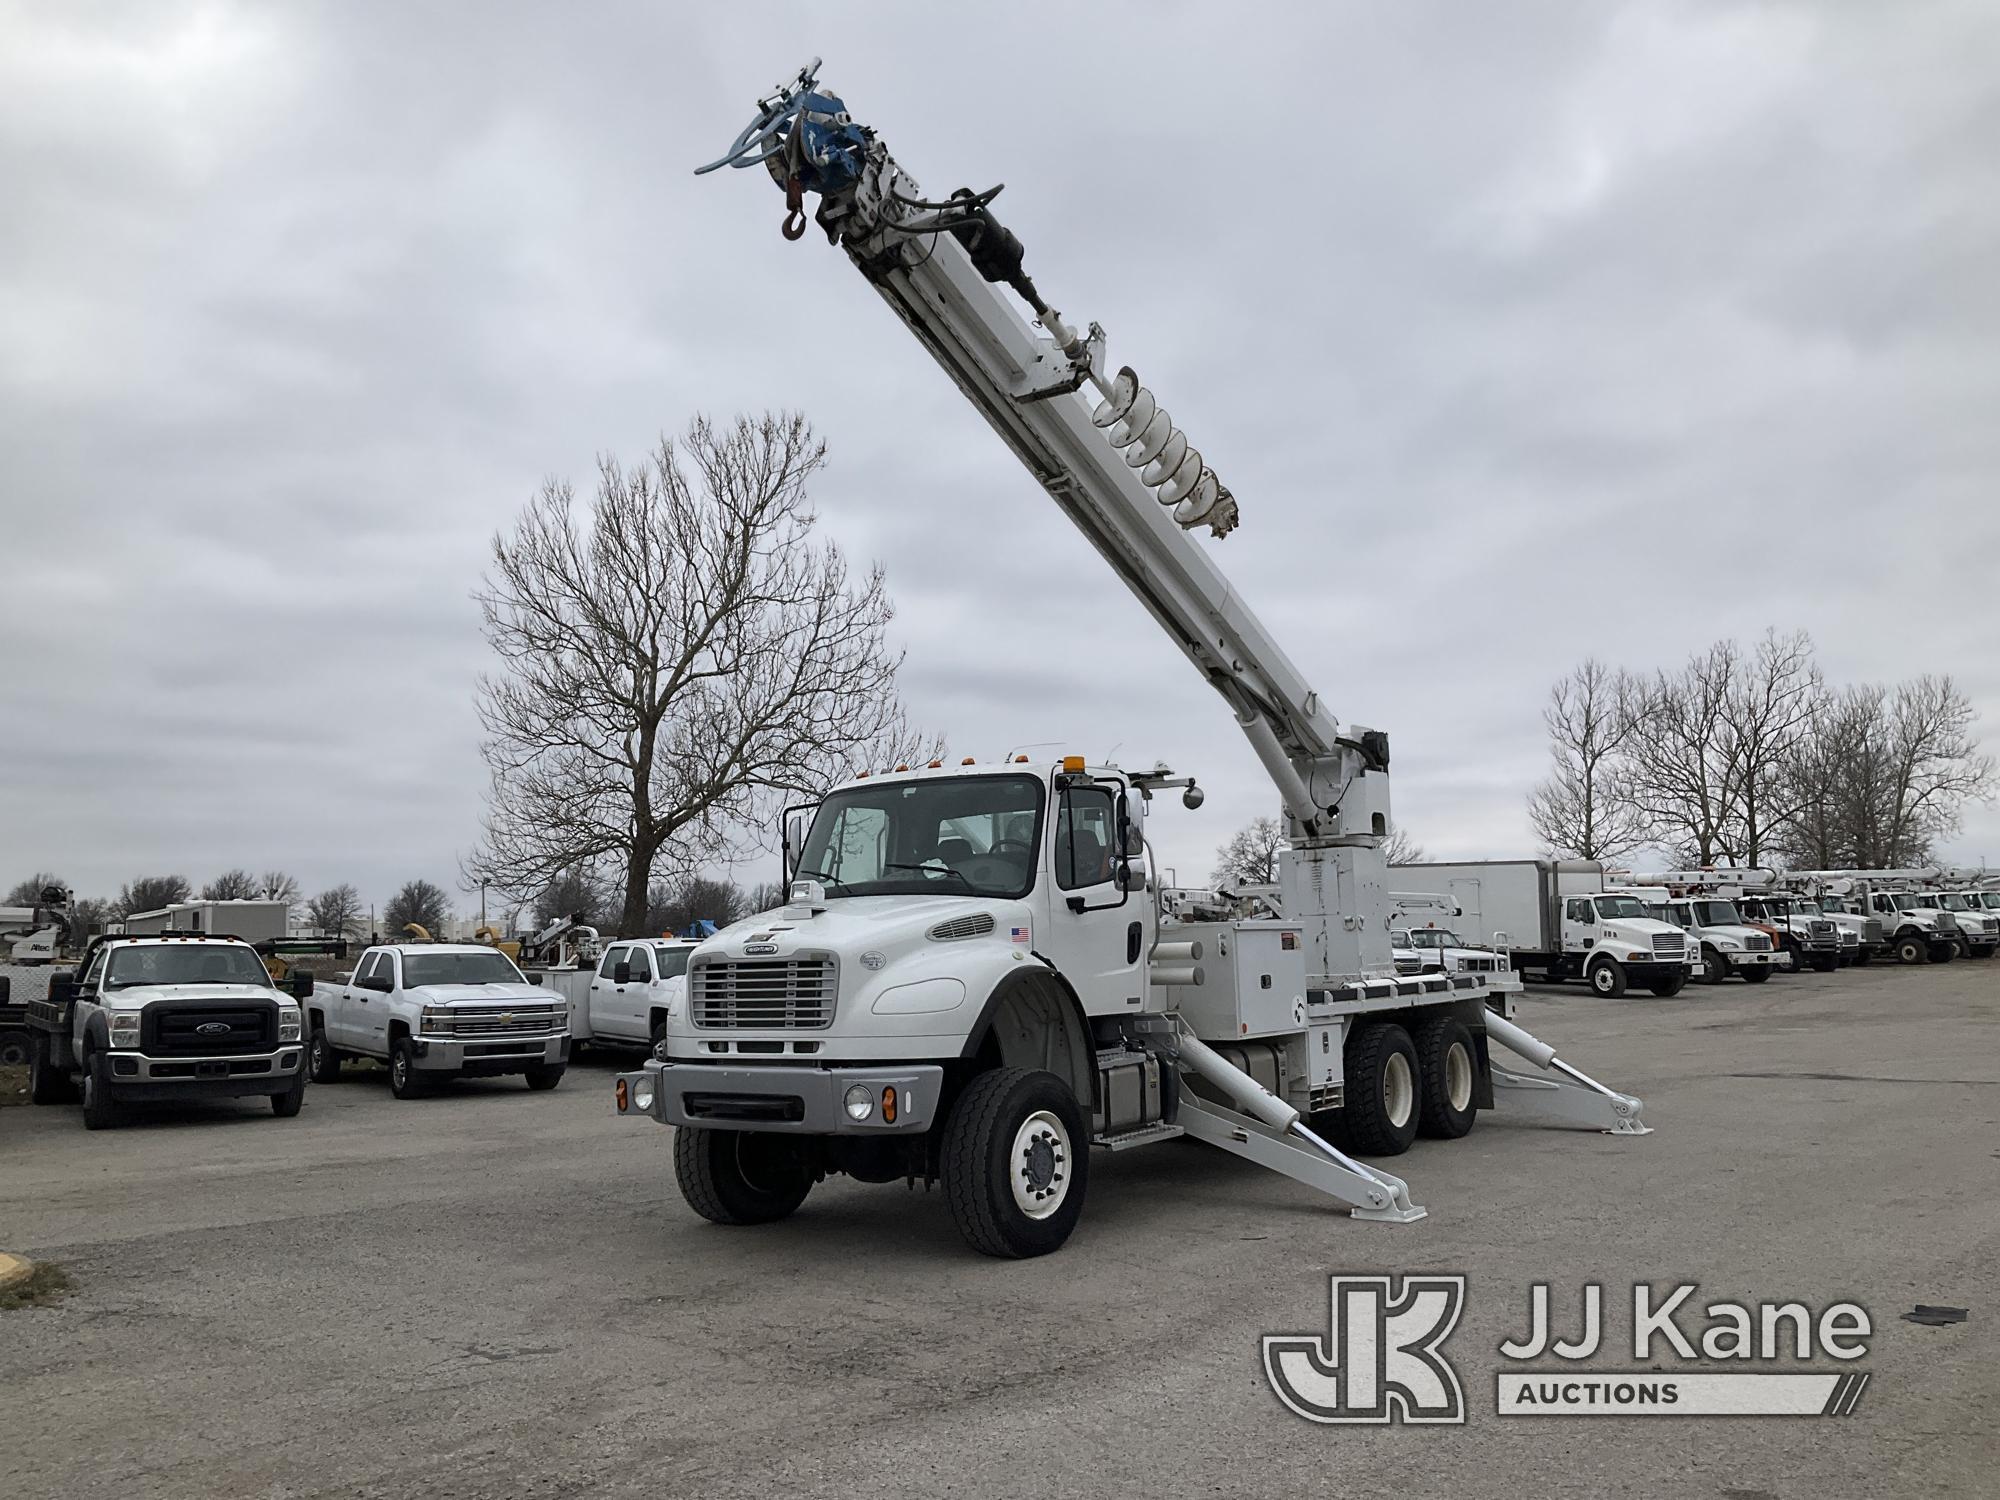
1488	316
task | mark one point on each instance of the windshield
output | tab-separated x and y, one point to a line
970	835
1990	900
1611	908
184	963
1906	902
1807	908
1717	914
1836	906
458	968
673	961
1949	901
1434	937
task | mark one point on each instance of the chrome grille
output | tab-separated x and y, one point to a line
1475	965
978	924
1821	929
783	994
1756	943
1670	942
502	1020
1872	930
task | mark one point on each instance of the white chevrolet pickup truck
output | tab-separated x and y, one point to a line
434	1011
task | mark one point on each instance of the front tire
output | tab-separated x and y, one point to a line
1943	953
739	1176
1758	975
46	1083
1607	979
1666	989
1016	1162
405	1081
1911	950
1447	1073
1714	967
287	1104
100	1111
1826	963
544	1077
1383	1093
321	1060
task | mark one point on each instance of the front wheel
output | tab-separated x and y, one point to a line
1757	975
1862	958
1666	989
544	1076
16	1047
46	1083
1714	967
288	1103
1910	950
1607	979
1826	963
99	1109
739	1176
321	1060
1015	1163
405	1081
1943	953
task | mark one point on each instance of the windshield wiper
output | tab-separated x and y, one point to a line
821	875
935	867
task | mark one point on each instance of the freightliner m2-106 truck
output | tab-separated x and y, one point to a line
973	981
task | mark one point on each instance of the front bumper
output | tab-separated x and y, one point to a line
797	1100
1738	958
135	1075
488	1054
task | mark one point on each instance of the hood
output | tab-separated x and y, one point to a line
855	923
453	995
134	995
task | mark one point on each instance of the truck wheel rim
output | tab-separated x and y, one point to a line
1601	977
399	1070
13	1053
1458	1077
1039	1165
1399	1093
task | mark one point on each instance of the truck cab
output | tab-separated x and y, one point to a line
1439	950
1611	938
1916	930
1978	929
1810	939
1728	945
1863	938
165	1017
436	1011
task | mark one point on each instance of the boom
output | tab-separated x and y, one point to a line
1119	468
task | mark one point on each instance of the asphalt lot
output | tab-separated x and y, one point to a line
499	1293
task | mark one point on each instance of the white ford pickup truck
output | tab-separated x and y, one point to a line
434	1011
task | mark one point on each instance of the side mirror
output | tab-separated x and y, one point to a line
621	973
302	984
380	983
62	986
534	976
1124	875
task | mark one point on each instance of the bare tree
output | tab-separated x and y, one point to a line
87	917
766	895
1934	768
575	893
232	885
1250	855
336	912
418	902
1682	775
1584	808
1766	714
675	661
150	893
1834	777
276	885
675	906
1399	848
29	892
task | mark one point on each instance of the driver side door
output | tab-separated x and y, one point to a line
1095	932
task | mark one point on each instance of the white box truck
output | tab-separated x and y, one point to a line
1555	916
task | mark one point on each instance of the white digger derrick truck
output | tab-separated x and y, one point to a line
974	980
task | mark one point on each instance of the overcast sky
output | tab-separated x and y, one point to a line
1521	332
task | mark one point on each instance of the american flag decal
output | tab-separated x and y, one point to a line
1020	934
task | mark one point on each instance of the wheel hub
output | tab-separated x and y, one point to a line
1040	1157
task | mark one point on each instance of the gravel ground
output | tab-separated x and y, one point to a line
499	1293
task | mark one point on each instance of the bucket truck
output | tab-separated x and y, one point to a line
32	938
973	981
1914	926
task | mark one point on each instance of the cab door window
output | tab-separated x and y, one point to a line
1579	910
613	957
642	967
1086	837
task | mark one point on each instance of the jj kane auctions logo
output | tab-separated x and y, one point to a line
1381	1358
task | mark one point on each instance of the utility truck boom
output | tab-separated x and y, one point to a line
975	979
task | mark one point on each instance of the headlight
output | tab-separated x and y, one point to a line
860	1101
288	1023
124	1026
1728	945
642	1096
436	1020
